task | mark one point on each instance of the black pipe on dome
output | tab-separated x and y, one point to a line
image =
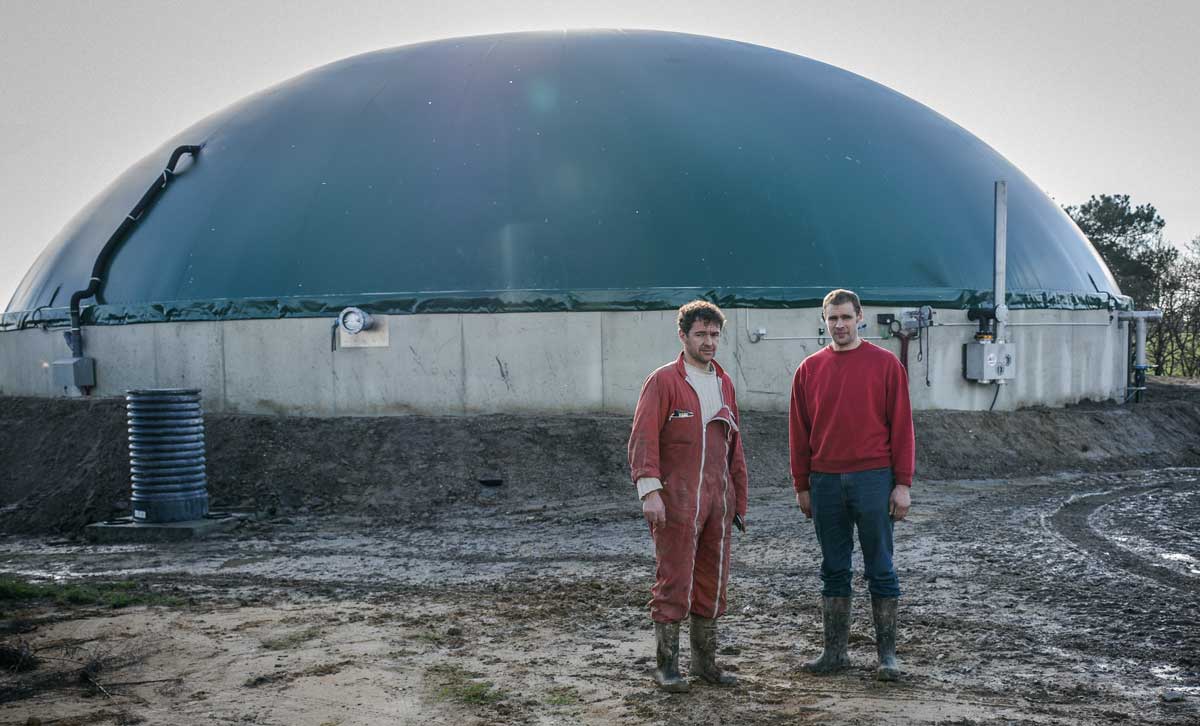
74	338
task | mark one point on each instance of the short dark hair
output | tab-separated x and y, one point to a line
840	297
699	310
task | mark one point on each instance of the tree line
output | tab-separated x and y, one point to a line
1152	271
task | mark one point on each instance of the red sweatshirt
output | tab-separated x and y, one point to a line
850	412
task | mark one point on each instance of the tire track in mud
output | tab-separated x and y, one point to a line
1072	521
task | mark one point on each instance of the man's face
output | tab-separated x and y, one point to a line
842	323
700	343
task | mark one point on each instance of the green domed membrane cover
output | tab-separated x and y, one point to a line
598	170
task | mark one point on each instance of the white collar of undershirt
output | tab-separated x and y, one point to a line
711	371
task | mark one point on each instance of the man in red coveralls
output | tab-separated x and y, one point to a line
852	455
685	455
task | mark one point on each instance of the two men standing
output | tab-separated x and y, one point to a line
851	441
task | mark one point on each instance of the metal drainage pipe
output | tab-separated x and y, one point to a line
166	455
1140	319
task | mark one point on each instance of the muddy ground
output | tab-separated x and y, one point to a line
1051	569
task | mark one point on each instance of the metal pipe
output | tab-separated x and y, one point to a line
1027	325
74	338
1001	250
1055	324
1139	368
1140	351
754	338
1140	318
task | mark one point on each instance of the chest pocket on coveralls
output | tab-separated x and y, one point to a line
678	429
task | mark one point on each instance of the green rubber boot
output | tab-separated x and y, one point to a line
666	675
703	634
884	611
836	616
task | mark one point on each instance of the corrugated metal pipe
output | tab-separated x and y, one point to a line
166	455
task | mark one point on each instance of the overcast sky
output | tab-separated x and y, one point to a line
1084	96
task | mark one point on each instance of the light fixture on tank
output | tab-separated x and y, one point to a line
355	320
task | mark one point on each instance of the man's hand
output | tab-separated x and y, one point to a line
653	509
804	499
900	503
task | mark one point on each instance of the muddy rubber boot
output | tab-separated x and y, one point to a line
666	675
884	611
835	613
703	634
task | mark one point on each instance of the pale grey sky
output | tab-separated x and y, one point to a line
1084	96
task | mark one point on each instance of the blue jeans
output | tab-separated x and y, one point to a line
841	503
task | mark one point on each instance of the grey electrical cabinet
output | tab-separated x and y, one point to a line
73	372
987	362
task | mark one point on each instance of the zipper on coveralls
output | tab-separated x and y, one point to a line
724	499
699	489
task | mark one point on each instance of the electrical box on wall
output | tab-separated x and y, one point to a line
73	372
988	362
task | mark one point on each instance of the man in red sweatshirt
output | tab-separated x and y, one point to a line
685	455
852	456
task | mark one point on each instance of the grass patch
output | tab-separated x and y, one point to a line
323	669
291	640
117	594
12	588
256	681
562	696
460	686
429	636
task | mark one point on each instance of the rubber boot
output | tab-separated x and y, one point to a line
884	611
703	634
836	616
666	675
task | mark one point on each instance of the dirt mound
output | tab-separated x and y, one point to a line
63	463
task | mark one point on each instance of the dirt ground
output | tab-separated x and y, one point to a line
1050	567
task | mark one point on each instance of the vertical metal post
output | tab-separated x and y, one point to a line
1140	350
1139	368
1140	318
1001	250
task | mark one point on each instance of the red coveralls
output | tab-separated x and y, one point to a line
703	473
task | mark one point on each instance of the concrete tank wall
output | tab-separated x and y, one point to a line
544	362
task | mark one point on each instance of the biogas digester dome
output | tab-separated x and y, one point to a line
569	172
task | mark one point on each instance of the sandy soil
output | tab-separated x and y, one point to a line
1024	603
1066	597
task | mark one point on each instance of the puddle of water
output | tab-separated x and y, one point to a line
240	561
1178	557
1166	673
42	575
1083	495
